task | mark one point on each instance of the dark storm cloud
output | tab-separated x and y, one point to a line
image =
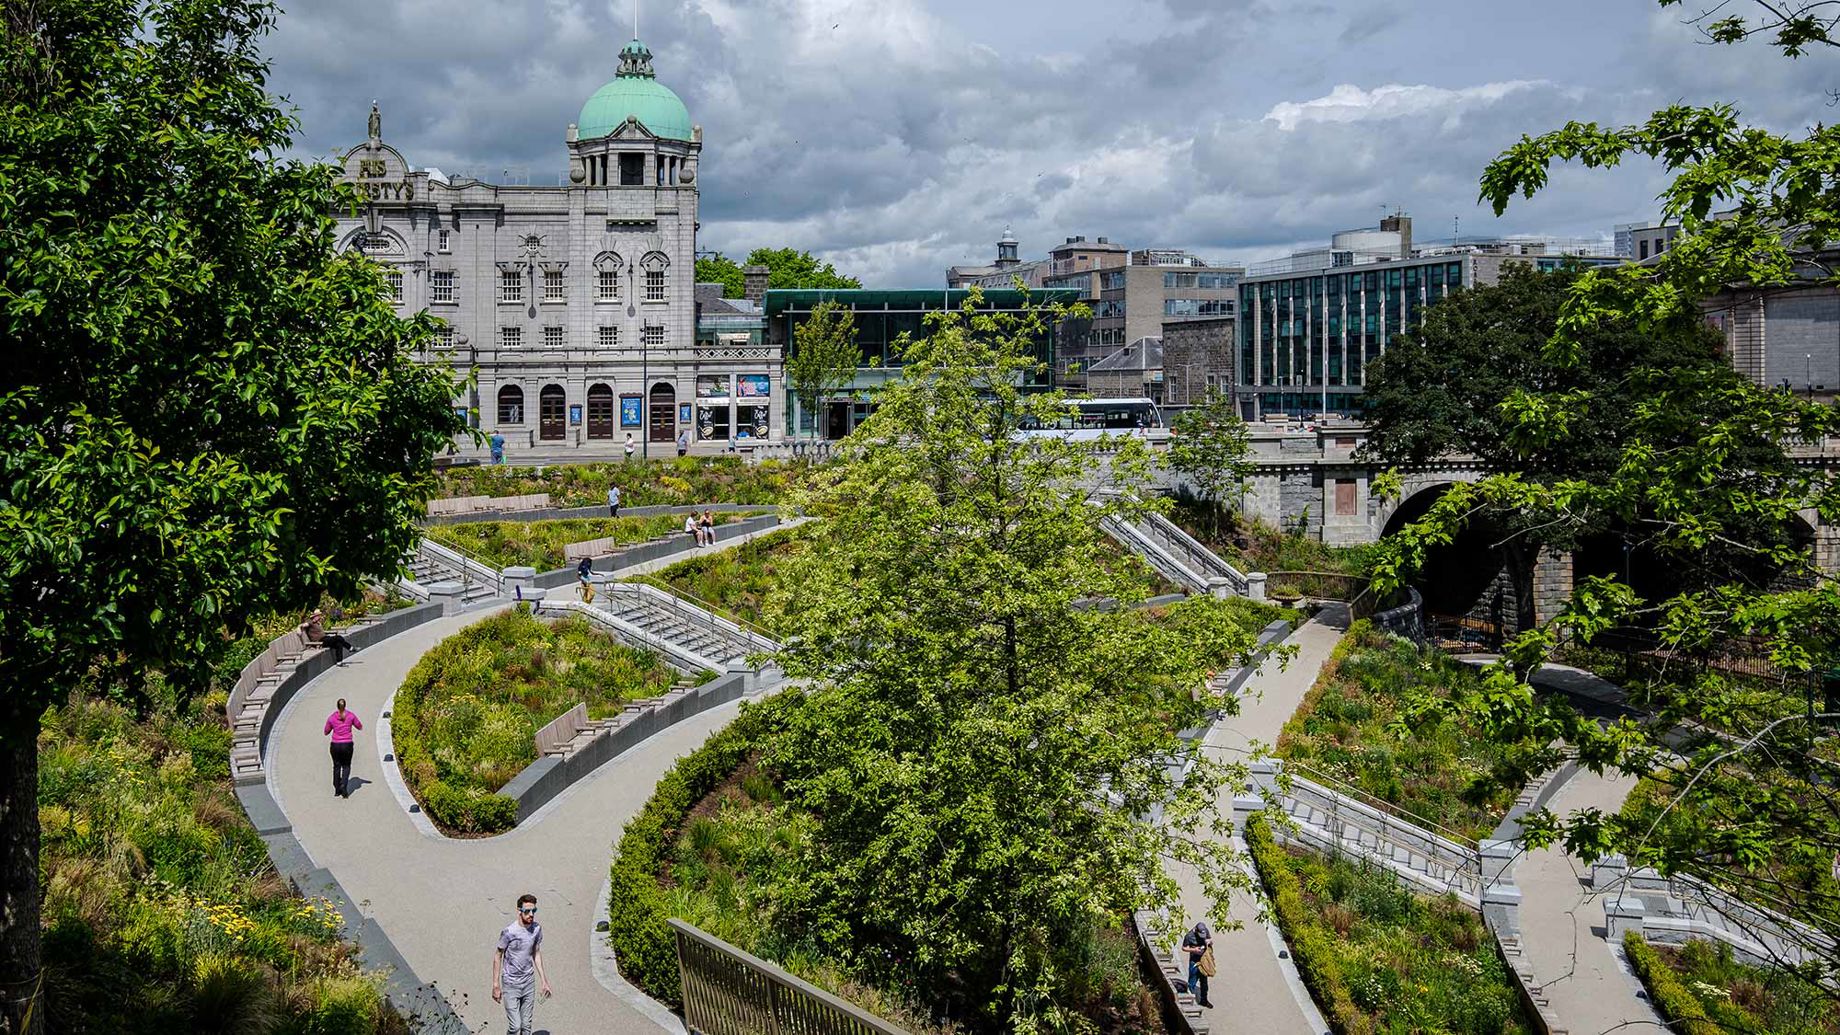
899	136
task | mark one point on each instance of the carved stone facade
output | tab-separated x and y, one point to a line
575	303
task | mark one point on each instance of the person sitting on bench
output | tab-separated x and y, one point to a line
314	629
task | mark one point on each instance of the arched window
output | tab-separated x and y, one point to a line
552	412
511	405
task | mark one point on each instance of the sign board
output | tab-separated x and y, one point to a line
574	413
752	386
631	413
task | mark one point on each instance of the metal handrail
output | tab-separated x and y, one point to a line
1347	790
727	991
1163	528
690	598
467	562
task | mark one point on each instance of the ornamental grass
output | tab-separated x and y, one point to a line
161	909
661	481
1351	728
540	544
466	718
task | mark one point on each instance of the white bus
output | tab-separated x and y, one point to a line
1088	419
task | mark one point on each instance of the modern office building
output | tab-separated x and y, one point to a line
1786	337
575	302
1640	241
882	317
1310	324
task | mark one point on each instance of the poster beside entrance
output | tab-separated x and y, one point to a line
631	413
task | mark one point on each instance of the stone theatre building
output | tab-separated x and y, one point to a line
575	303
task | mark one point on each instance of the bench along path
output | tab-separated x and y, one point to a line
1252	992
443	902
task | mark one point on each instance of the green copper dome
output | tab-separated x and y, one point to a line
636	92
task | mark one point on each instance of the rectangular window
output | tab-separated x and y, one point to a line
552	286
610	337
654	285
552	337
444	338
440	242
609	284
441	286
510	286
652	337
510	337
393	284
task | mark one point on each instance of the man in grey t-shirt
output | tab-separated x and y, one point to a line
517	967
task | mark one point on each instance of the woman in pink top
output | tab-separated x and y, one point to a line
340	724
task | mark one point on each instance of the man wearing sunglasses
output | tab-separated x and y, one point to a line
517	967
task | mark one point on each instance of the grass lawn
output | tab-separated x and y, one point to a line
539	544
1347	727
466	717
671	481
161	909
1702	990
1380	958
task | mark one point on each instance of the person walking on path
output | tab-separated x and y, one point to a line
613	501
585	573
631	446
517	968
498	448
1198	943
340	724
683	441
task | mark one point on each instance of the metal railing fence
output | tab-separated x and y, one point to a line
730	992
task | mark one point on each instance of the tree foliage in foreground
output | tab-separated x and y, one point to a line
205	414
1209	443
1746	801
982	747
823	358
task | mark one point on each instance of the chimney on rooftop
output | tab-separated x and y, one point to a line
754	281
1403	223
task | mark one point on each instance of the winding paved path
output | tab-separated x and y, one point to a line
1255	994
444	901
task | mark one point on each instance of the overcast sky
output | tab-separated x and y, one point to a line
896	137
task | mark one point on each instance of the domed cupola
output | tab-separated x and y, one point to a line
635	92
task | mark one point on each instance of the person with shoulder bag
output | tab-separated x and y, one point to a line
1198	944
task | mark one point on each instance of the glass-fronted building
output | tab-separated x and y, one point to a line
882	317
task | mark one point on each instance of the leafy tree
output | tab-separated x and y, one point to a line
1742	768
1442	386
787	268
982	752
1209	444
824	357
205	414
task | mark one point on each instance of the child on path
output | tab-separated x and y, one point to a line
631	446
613	501
585	573
340	724
517	968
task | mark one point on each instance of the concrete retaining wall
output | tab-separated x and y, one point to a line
599	511
547	777
656	549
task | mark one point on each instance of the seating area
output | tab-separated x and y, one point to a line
479	504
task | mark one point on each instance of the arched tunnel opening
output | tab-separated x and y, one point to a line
1469	595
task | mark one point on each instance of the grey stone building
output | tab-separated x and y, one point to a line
1198	354
575	302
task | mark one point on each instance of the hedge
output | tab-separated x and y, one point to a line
643	944
1309	945
1671	997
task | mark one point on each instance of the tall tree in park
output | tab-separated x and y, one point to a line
1442	387
1209	444
1747	800
786	268
823	359
983	750
205	414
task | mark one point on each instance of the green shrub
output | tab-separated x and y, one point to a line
642	940
1680	1007
1701	989
677	481
1379	958
540	544
466	717
1351	727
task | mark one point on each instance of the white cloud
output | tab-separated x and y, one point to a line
1349	103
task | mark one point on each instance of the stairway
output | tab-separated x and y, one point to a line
1349	834
1193	555
424	569
597	727
696	631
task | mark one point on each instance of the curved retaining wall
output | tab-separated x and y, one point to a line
555	513
421	1003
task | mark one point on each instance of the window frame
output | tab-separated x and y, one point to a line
510	287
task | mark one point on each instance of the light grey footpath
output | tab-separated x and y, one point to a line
1253	992
444	901
1583	975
